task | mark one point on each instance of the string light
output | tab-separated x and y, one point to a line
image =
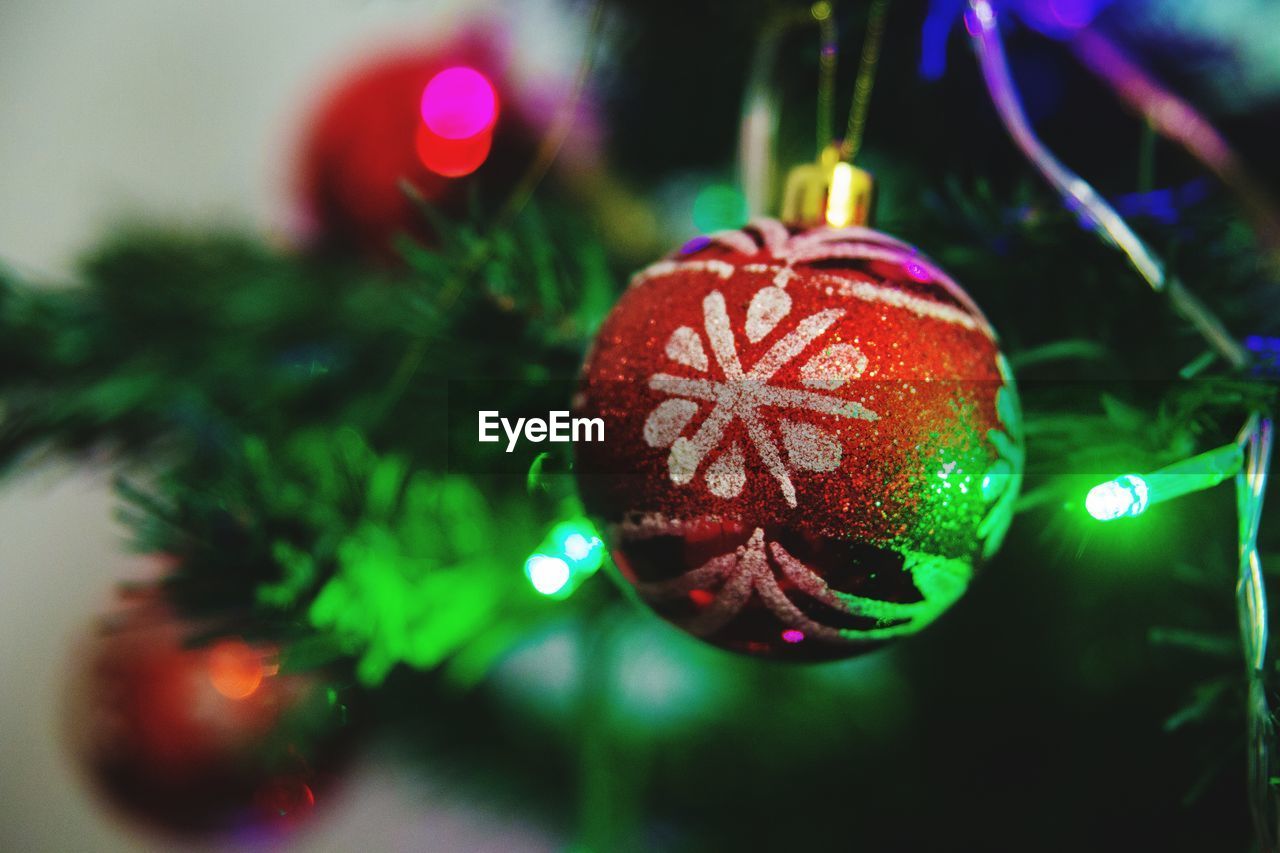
1130	494
549	575
1266	354
1251	600
578	547
1079	194
458	103
459	109
235	669
452	158
569	554
1126	495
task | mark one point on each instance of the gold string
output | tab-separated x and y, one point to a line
852	142
828	52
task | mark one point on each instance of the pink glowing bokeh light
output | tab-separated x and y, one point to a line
459	103
791	635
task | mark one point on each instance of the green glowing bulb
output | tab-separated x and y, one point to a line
577	542
1126	495
569	554
549	575
1130	494
578	547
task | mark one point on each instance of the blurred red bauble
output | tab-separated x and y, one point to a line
199	738
444	123
813	439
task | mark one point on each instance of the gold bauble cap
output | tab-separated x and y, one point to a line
829	192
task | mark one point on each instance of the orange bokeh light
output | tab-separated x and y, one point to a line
235	669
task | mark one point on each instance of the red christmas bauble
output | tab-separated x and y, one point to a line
811	439
198	738
369	145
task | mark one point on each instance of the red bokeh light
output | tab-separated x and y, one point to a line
452	158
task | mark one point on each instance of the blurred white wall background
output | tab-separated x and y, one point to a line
186	110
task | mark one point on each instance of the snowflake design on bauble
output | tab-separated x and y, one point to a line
746	394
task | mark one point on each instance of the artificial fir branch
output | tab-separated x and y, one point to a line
271	390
